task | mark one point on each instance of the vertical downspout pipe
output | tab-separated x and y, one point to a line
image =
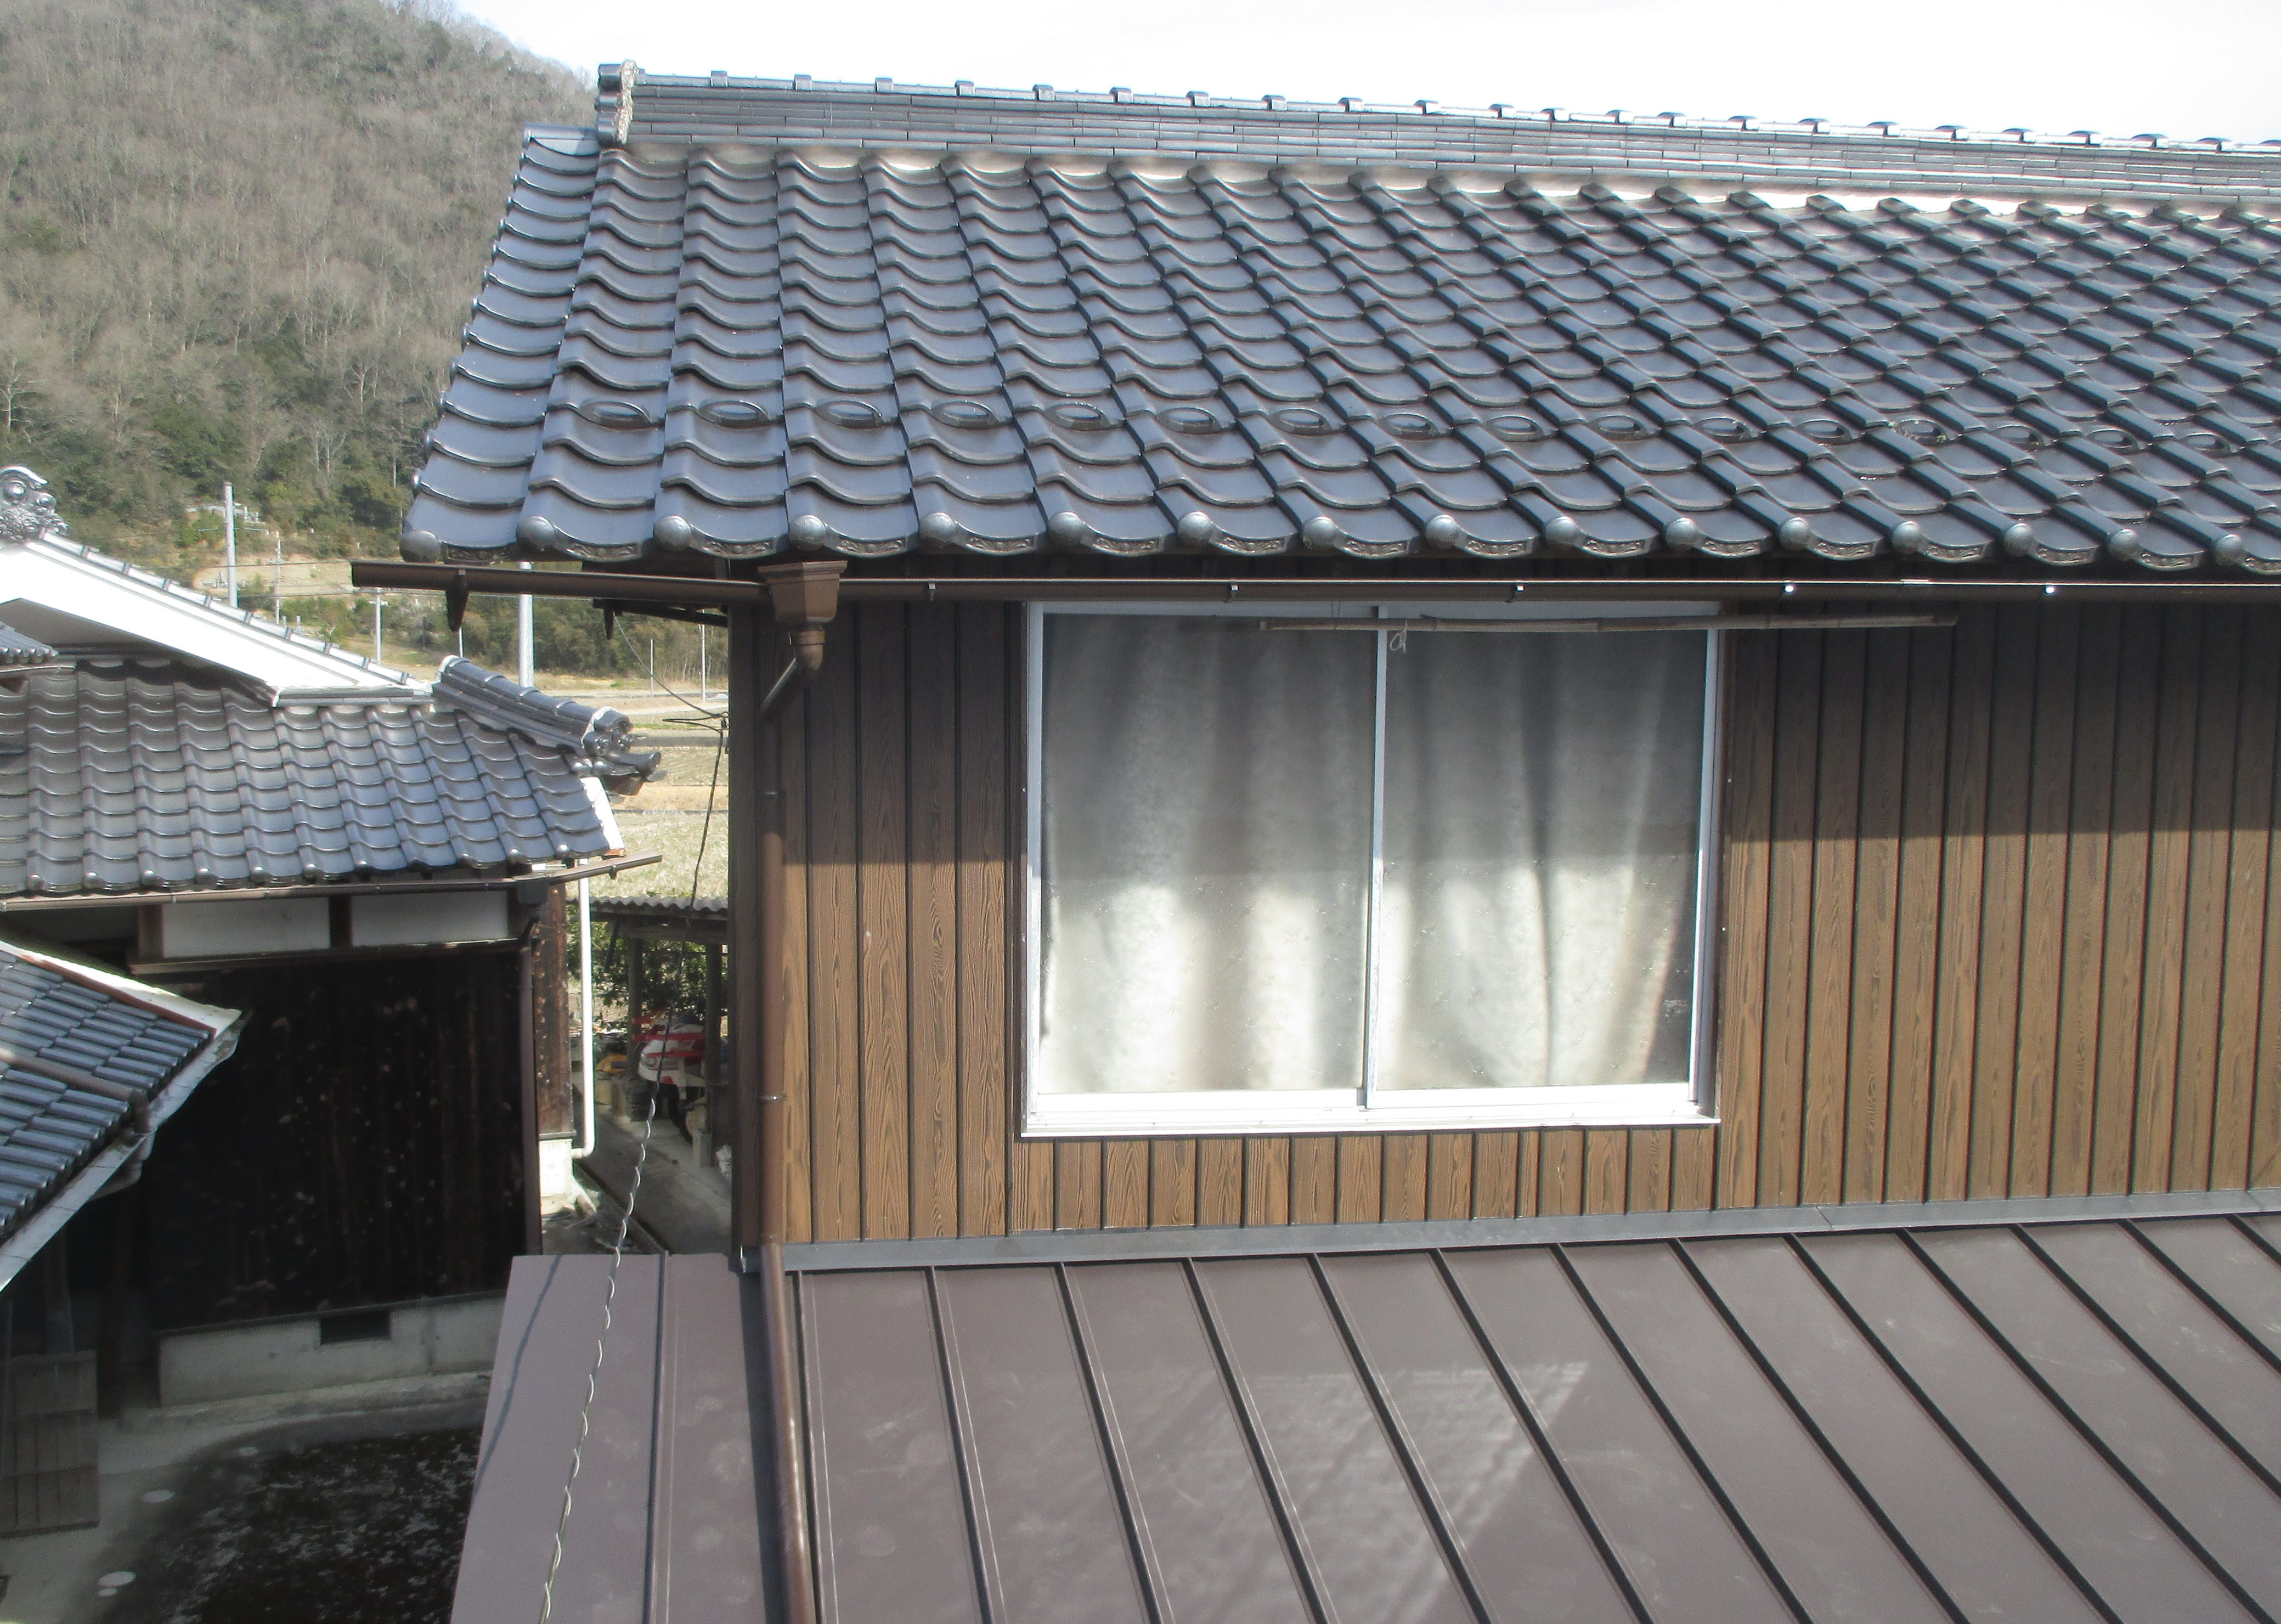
586	1145
804	598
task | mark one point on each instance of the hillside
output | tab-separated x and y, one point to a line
239	242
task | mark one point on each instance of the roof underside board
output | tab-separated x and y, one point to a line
743	346
2059	1422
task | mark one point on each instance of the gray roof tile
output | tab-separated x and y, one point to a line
770	349
52	1023
124	777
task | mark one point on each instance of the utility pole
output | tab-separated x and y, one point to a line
375	627
279	609
523	639
229	542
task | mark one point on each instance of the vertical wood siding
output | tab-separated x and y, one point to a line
1995	904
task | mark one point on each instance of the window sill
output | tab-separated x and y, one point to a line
1191	1116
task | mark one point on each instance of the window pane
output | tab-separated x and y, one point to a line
1543	792
1205	855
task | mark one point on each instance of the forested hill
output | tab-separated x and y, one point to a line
239	241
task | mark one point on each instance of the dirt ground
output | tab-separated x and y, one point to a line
295	1525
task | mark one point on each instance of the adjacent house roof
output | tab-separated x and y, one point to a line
81	601
90	1064
750	316
2065	1422
133	776
17	650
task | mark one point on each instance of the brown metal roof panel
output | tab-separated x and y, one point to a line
1365	1539
1685	1561
1826	1547
552	1318
1209	1537
893	1540
2228	1268
1048	1518
1981	1555
1517	1532
2183	1468
2233	1386
706	1560
2124	1550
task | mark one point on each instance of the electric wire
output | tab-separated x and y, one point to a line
633	1189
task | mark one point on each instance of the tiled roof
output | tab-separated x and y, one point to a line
77	1060
17	650
132	777
2063	1422
730	338
596	736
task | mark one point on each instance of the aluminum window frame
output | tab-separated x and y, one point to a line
1207	1113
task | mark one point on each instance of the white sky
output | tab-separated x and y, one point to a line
2201	67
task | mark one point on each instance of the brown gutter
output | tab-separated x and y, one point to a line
804	599
705	591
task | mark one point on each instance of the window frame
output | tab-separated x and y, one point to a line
1214	1112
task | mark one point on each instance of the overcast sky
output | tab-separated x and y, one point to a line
2203	67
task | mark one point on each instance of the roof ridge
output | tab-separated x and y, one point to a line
28	517
597	735
615	107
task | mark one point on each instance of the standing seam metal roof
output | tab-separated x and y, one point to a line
2060	1422
737	349
132	776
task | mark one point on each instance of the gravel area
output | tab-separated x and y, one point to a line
350	1531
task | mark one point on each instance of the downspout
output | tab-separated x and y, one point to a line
804	598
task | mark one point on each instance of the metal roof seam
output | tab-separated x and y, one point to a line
2107	1451
1750	1537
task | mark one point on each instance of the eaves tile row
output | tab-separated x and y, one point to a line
50	1128
740	353
126	777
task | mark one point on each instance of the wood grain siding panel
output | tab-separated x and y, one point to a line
1956	1005
883	908
835	943
1876	897
934	934
1790	919
2168	848
2113	1091
1916	949
1994	914
1742	980
2247	947
1995	1066
1002	1184
2090	828
1836	865
2209	859
2043	935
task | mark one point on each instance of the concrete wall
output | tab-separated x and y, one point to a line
436	1337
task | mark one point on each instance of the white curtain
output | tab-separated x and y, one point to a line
1205	855
1537	914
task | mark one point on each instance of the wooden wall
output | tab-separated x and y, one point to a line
364	1144
1965	874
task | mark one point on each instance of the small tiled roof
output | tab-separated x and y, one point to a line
131	776
77	1058
873	321
17	650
